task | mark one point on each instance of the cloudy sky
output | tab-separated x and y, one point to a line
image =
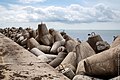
61	14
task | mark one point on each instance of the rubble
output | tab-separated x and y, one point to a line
77	60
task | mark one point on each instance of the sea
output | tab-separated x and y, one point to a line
106	35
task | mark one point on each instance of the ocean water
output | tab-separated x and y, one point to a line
107	35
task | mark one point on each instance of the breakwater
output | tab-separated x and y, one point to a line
93	58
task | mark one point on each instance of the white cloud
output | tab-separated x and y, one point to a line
29	1
71	14
2	8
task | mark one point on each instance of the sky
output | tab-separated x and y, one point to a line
61	14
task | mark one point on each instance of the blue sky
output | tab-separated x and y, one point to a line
61	14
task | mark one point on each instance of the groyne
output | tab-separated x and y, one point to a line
77	60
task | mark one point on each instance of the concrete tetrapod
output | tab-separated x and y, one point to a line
83	50
24	42
45	49
70	45
47	39
93	39
116	42
20	39
58	60
44	36
102	45
67	37
32	43
36	52
69	73
102	65
62	54
61	49
41	55
26	34
56	35
84	77
33	33
116	78
56	45
42	30
69	61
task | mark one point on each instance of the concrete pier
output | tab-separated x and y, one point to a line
18	63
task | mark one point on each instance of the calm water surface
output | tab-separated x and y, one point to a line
107	35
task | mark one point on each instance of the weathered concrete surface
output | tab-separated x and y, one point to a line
18	63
